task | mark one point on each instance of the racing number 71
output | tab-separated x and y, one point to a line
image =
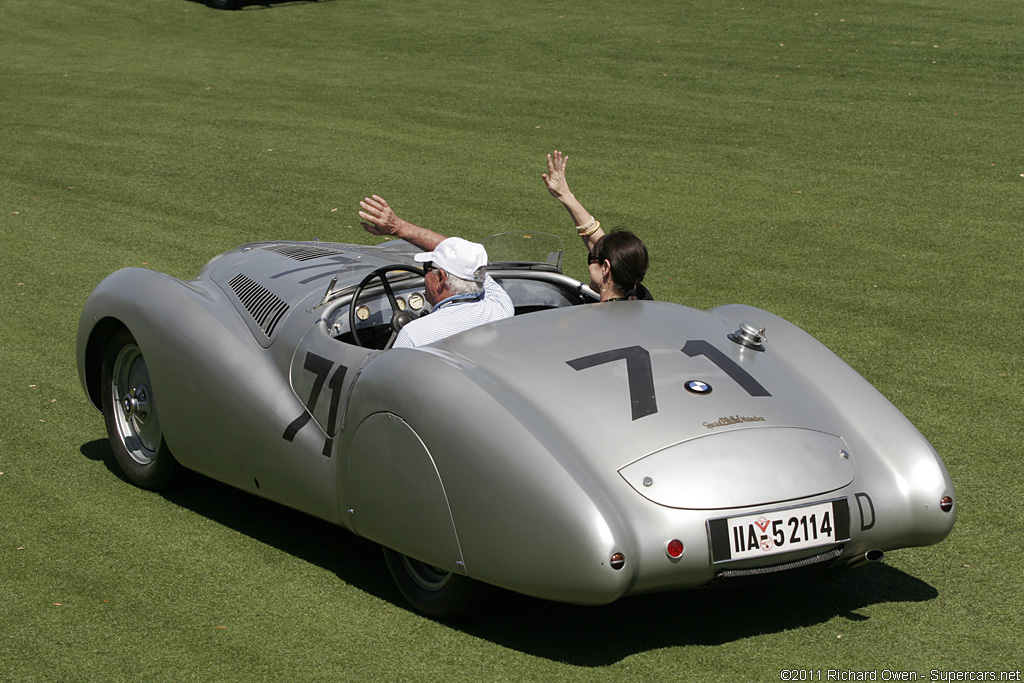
640	376
321	367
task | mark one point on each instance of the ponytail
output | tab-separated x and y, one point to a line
627	255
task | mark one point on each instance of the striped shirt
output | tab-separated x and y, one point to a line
455	316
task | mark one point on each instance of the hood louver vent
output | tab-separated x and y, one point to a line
263	305
301	252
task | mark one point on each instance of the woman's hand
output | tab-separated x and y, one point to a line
555	177
559	189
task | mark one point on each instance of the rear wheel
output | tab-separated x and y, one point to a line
431	590
225	4
131	417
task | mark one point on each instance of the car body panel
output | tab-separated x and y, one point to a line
740	468
526	452
401	499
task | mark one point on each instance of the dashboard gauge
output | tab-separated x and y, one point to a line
416	301
362	312
401	303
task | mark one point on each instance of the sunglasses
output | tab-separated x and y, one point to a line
593	258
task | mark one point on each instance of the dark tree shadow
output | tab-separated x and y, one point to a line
254	4
581	636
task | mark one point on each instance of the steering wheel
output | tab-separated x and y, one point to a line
399	319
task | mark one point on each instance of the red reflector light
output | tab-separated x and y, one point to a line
946	504
618	561
674	549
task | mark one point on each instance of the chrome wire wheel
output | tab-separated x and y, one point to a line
136	418
130	414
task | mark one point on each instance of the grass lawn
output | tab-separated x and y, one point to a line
855	167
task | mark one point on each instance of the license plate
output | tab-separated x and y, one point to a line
779	531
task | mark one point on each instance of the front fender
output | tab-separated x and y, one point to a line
224	401
124	298
197	351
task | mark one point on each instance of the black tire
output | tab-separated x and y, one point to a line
130	414
433	591
225	4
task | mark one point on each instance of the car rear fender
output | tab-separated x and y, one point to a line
506	498
899	470
398	498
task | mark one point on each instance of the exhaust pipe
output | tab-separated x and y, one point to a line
869	556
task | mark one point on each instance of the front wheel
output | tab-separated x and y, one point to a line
431	590
225	4
131	417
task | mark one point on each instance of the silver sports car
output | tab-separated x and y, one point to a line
575	452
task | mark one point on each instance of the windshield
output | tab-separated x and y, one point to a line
508	250
534	250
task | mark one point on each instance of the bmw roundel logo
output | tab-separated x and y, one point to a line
695	386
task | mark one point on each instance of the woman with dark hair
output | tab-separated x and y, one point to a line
617	260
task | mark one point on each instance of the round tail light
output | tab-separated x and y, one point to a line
946	504
618	561
674	549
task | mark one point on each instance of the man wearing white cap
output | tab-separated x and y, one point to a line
457	285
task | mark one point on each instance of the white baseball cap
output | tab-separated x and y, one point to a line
457	257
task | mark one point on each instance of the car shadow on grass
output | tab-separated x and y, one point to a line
577	635
600	636
353	559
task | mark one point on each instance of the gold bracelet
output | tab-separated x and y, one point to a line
588	228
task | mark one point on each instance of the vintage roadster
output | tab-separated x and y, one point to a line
577	452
